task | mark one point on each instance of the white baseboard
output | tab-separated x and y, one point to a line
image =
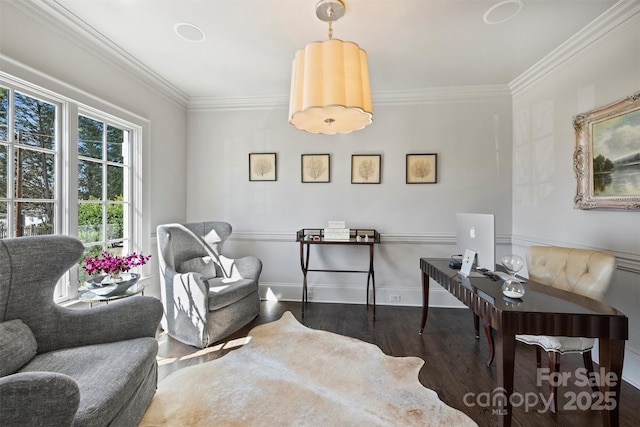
631	369
331	293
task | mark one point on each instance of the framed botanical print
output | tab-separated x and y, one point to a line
262	167
606	160
315	168
422	168
365	168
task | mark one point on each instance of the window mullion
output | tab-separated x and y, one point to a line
105	168
11	179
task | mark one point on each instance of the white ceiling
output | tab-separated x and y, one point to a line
411	44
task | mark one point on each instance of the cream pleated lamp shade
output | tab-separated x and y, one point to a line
330	88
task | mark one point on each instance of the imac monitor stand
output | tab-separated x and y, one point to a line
477	232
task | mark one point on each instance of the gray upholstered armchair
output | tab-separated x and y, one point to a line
62	366
206	295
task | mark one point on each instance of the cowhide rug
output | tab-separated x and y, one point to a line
290	375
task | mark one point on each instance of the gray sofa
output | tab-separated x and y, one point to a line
206	295
62	366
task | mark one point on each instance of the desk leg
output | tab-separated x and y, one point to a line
488	331
425	301
304	264
373	281
476	324
506	351
611	359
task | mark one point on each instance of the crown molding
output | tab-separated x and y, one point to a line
438	95
88	38
478	93
614	19
236	103
63	91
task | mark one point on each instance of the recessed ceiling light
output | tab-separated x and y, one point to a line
189	32
502	12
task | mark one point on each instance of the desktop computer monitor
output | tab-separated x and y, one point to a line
477	232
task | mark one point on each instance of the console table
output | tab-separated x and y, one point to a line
359	237
542	311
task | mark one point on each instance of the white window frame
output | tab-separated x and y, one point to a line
66	181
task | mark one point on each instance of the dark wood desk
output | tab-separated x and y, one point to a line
360	237
542	311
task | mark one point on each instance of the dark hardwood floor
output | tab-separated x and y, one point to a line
454	360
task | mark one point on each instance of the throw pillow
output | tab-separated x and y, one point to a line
205	266
17	346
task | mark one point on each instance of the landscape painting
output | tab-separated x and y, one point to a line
616	156
607	156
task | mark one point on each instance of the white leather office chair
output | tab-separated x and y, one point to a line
580	271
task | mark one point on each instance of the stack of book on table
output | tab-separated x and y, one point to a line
336	230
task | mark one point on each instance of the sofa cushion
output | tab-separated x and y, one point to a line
203	265
108	375
17	346
224	292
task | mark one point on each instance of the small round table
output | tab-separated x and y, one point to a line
92	298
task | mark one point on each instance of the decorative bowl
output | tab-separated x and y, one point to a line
105	286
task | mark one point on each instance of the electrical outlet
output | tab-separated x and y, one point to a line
394	298
309	295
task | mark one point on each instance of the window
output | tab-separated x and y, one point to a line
104	202
28	165
67	168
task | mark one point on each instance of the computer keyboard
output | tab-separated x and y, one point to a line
497	275
502	275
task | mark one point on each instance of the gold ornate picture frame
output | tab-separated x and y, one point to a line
606	160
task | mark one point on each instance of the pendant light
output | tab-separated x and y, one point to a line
330	91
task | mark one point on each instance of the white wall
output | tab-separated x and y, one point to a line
53	58
544	184
471	136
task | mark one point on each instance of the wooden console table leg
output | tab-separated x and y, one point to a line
425	301
372	274
304	264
